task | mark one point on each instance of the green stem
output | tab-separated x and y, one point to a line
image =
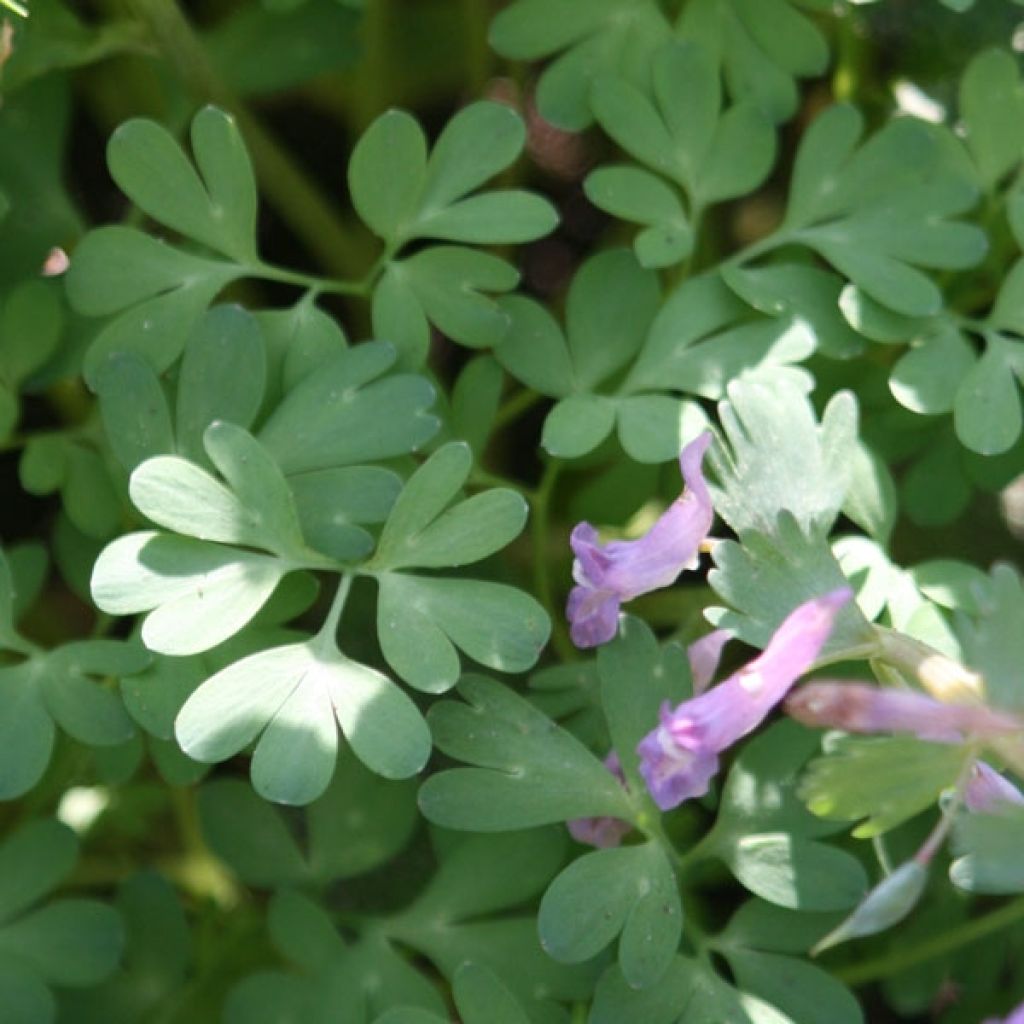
269	272
512	409
540	528
304	209
329	631
902	959
483	478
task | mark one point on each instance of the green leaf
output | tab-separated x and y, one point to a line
248	834
274	46
876	322
780	460
225	345
807	293
197	594
89	713
482	998
703	337
992	108
993	643
26	999
683	134
577	425
602	36
527	770
987	408
360	822
881	211
688	993
765	578
766	927
298	341
478	142
399	318
158	292
801	990
505	217
934	490
611	303
217	208
333	505
450	284
871	500
420	618
952	584
31	324
797	873
257	511
987	851
763	48
654	428
348	413
71	942
631	890
136	419
26	731
928	376
386	174
637	679
475	398
882	780
534	350
636	195
34	859
423	531
293	694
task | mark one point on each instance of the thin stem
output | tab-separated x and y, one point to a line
514	407
483	478
329	631
287	187
902	959
269	272
541	564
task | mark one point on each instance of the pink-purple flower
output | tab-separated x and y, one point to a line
679	757
988	792
861	707
606	575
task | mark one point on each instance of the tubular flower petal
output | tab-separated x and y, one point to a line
603	831
679	757
988	792
704	655
860	707
608	574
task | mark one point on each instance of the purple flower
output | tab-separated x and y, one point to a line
679	757
988	792
860	707
608	574
603	831
704	655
